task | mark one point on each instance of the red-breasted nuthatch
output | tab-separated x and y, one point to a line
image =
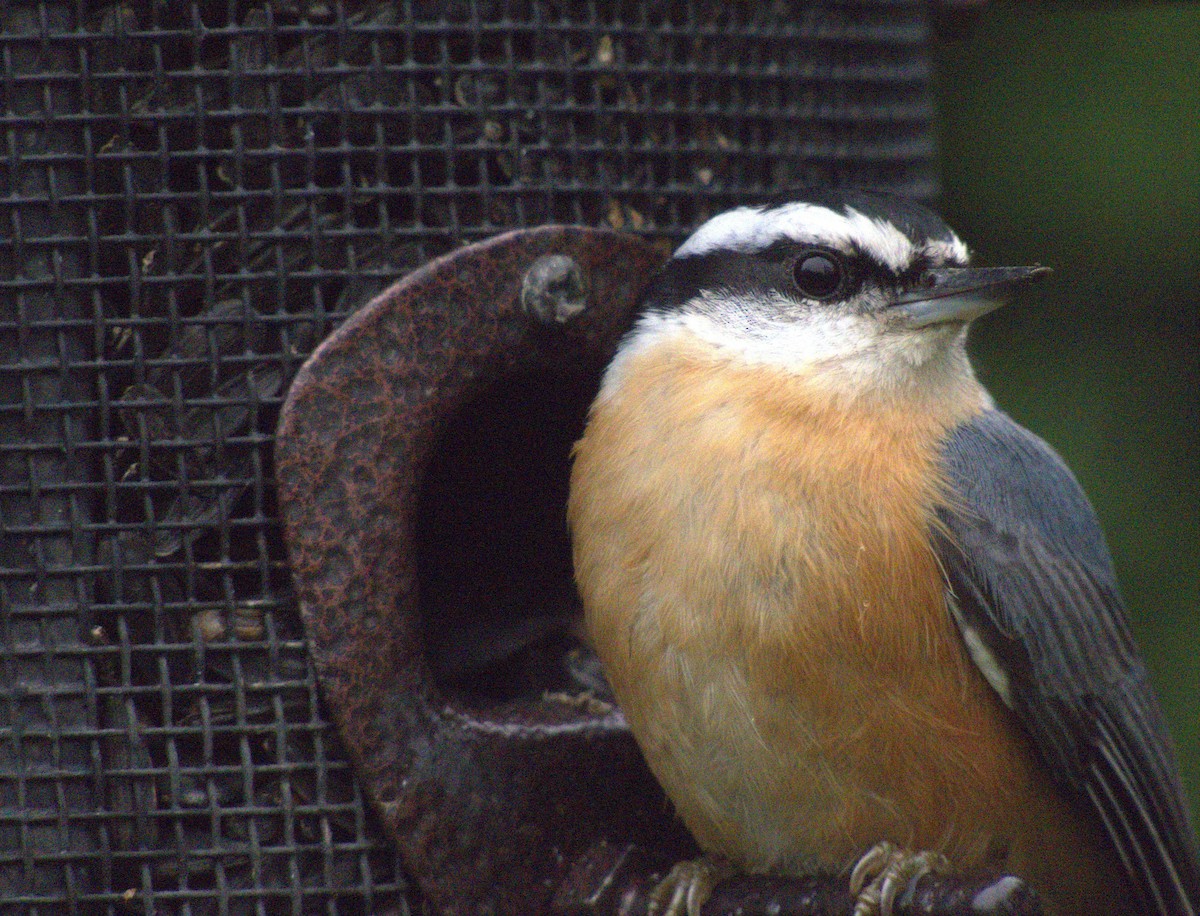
857	618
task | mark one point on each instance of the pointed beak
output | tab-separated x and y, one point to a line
960	294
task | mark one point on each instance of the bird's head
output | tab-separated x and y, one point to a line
860	291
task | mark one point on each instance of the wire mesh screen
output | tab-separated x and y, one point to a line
192	195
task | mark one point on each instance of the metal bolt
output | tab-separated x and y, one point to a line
554	290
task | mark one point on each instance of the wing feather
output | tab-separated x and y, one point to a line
1030	573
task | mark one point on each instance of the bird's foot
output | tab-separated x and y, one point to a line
687	886
885	871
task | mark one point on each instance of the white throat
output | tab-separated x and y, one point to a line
851	357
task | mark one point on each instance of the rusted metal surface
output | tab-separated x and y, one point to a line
825	895
617	881
491	805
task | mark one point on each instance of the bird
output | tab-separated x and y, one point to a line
859	621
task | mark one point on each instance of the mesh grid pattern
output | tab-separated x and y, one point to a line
192	196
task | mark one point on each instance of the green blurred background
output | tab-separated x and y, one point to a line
1071	137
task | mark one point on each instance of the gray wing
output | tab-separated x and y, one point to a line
1031	576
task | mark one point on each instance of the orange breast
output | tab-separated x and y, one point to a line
756	570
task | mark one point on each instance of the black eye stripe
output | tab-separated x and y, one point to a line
912	273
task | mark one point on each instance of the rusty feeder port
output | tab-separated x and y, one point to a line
423	459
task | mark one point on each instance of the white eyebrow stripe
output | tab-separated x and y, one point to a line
953	252
750	229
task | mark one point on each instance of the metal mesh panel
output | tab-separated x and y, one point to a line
191	196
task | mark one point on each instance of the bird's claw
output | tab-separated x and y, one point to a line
686	887
885	871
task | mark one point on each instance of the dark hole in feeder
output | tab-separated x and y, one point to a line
498	604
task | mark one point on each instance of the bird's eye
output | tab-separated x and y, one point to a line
818	275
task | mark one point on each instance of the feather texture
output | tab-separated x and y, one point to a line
1031	575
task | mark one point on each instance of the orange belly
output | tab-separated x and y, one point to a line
760	587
